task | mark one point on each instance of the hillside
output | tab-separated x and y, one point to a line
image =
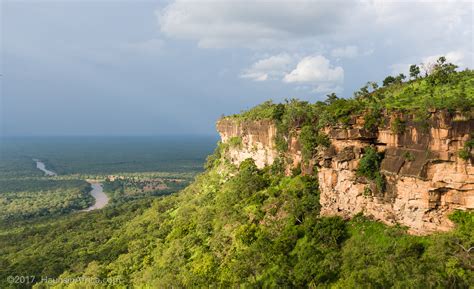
271	209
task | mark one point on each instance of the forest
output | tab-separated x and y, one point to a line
240	227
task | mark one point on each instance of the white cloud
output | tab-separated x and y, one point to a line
350	51
313	73
270	24
315	69
251	24
457	57
268	68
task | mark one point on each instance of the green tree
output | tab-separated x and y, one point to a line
414	71
388	80
400	78
331	98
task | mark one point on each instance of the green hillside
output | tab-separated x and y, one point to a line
258	228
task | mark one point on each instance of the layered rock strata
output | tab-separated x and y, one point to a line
425	177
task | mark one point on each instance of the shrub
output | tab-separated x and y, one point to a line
247	234
278	167
380	181
465	152
367	191
323	140
262	111
280	143
235	142
398	126
372	119
213	159
310	139
279	112
369	167
296	171
409	156
340	111
422	117
369	163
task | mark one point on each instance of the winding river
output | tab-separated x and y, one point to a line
101	199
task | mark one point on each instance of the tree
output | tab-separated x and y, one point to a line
441	61
414	71
442	71
444	67
363	92
388	80
400	78
373	84
331	98
278	112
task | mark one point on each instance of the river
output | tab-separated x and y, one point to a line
41	166
101	199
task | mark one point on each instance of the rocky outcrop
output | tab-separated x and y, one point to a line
256	140
425	178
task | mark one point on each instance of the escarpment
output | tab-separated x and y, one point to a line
249	139
423	178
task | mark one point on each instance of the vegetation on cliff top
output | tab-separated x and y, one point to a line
442	87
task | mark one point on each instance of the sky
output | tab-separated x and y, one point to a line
174	67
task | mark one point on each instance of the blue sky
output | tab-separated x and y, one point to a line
173	67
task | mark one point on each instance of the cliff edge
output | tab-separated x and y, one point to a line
425	179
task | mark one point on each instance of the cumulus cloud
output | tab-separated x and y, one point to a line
313	73
318	73
315	69
268	68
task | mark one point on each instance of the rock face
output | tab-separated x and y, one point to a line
256	140
425	178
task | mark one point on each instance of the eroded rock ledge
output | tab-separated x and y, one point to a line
425	177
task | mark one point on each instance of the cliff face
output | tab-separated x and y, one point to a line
425	178
257	141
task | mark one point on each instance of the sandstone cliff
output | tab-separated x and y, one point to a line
425	177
